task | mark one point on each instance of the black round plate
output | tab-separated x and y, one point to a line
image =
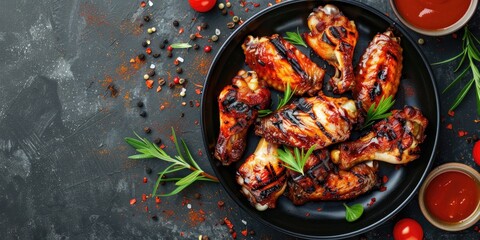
326	220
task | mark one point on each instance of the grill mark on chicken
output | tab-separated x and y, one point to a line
334	32
326	40
322	128
382	74
375	91
261	63
284	53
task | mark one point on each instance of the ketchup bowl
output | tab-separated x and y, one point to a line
450	197
434	17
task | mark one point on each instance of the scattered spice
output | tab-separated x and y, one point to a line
143	114
197	195
235	19
157	141
176	80
145	179
149	83
156	55
244	232
175	23
155	218
230	25
141	56
462	133
195	46
169	54
451	113
220	203
144	197
384	179
157	200
148	170
449	126
161	81
147	130
179	70
146	18
372	201
229	4
139	104
421	41
214	38
113	90
207	49
221	6
133	201
151	72
162	45
170	48
148	51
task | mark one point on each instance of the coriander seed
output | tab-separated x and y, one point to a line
214	38
221	6
235	19
229	4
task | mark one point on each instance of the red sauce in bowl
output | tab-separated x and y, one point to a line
452	196
432	14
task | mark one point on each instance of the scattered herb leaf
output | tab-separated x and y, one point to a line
297	160
181	45
354	212
379	112
287	95
295	38
180	162
470	52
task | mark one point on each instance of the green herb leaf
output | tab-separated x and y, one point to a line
295	38
287	96
297	160
148	149
469	51
375	112
354	212
181	45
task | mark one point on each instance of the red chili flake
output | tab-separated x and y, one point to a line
207	49
256	4
198	35
162	107
181	30
170	48
383	189
148	51
319	209
197	103
133	201
462	133
196	122
181	234
246	9
234	235
176	62
372	201
307	214
228	223
198	91
244	232
143	4
145	179
162	146
231	13
159	89
384	179
199	28
149	83
176	80
451	113
144	197
269	4
157	200
449	126
200	153
220	203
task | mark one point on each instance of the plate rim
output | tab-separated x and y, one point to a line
406	34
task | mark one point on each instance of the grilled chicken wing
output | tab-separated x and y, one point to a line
319	120
333	37
378	73
324	181
238	106
395	140
262	176
280	63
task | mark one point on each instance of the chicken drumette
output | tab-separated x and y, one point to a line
379	71
262	176
394	140
333	37
238	106
279	63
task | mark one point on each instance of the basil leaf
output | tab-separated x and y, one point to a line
354	212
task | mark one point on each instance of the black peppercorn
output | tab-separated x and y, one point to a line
192	36
179	70
204	25
156	55
146	18
162	45
144	44
154	218
169	54
141	56
195	46
224	12
148	170
252	233
147	130
175	23
182	115
151	72
165	41
197	195
157	141
143	114
139	104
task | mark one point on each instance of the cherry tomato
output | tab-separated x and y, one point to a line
407	229
202	5
476	152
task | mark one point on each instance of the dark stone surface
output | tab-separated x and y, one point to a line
64	171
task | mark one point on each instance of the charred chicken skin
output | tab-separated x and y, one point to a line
333	37
319	121
394	140
379	71
262	176
238	106
324	181
279	63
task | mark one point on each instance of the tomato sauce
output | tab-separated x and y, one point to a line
452	196
432	14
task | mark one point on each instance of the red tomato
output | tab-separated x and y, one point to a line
407	229
476	152
202	5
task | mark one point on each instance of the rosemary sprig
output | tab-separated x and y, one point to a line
470	52
287	95
379	112
295	38
181	45
297	160
180	162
